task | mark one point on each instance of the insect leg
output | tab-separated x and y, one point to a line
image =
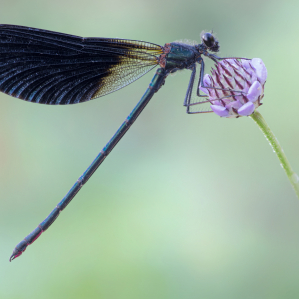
190	86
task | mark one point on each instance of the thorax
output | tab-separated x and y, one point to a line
178	56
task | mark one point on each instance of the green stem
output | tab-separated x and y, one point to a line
293	177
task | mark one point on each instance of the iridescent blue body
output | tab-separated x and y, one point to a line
57	69
181	56
155	84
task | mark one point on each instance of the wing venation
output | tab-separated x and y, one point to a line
54	68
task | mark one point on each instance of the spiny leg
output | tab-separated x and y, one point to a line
201	84
200	81
215	57
190	86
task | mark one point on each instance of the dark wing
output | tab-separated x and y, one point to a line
54	68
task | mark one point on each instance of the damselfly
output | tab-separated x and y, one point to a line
53	68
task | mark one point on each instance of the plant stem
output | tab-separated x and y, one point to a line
293	177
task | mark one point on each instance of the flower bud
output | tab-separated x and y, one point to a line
238	86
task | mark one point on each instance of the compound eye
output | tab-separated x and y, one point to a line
208	39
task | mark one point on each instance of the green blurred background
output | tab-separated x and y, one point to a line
186	206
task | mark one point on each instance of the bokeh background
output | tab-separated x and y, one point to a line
186	206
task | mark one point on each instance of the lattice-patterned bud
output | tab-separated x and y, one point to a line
239	86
